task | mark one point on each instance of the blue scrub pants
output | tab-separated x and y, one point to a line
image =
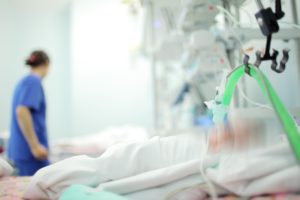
30	167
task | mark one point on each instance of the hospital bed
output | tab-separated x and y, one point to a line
91	144
94	144
13	188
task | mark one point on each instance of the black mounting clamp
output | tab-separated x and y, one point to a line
268	23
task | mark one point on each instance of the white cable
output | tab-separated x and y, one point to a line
244	96
248	15
230	17
212	190
227	13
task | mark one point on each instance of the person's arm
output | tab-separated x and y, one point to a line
26	124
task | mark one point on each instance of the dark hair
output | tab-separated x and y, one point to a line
37	58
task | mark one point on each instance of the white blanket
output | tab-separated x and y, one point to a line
265	171
119	162
162	192
153	178
171	163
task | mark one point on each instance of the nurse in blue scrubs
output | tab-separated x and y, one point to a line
28	144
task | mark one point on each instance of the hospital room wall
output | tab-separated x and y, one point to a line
110	86
21	32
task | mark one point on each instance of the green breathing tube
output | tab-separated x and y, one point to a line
284	116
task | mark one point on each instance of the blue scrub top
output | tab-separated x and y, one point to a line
29	93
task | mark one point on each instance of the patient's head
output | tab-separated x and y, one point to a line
236	135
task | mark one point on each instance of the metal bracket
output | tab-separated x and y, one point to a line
283	62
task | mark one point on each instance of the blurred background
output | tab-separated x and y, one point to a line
96	79
149	64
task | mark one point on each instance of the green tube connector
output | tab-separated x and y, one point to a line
289	124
